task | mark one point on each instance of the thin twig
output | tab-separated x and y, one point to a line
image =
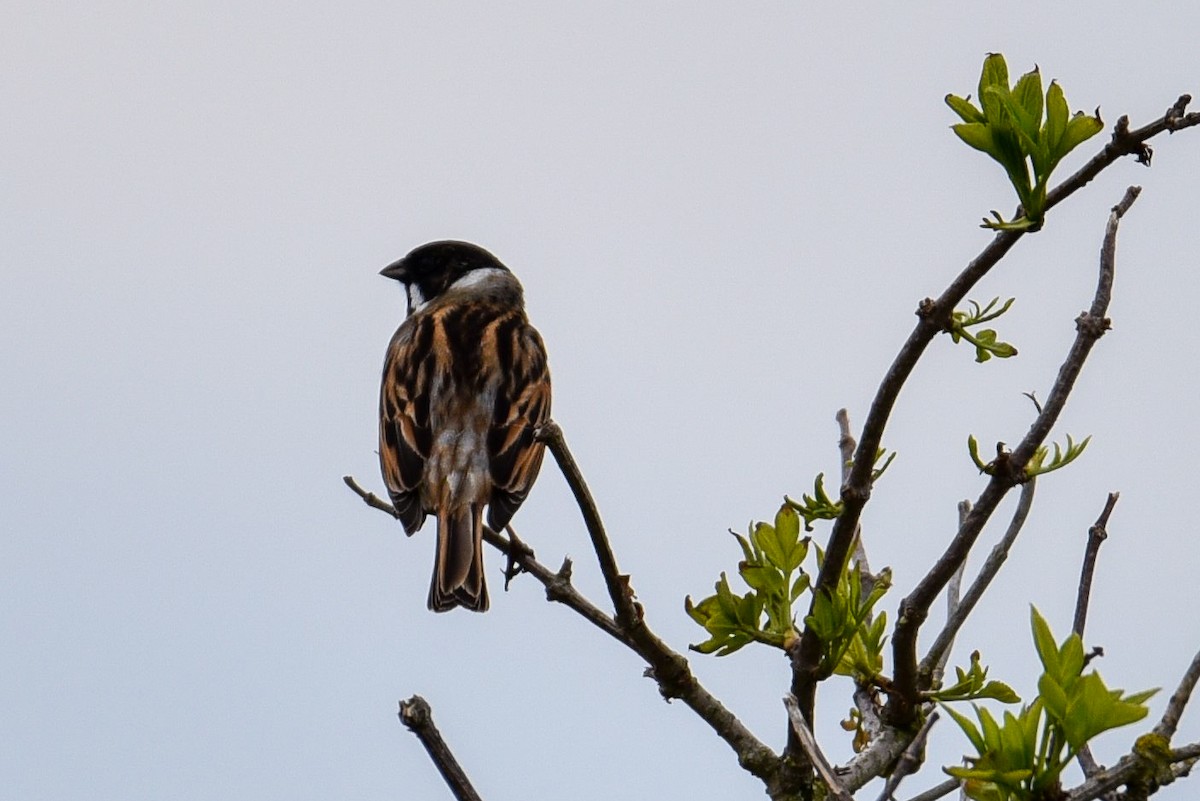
418	717
1127	770
1179	700
1097	534
846	446
558	584
667	667
1008	471
937	791
934	316
953	602
617	584
910	761
372	500
940	649
809	743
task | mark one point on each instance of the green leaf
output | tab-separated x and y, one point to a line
766	538
725	598
1028	94
1071	660
969	728
792	548
1023	127
979	136
1054	698
1142	697
799	586
696	612
734	643
746	551
991	729
965	109
1081	128
1012	744
764	578
1057	113
999	691
1043	640
973	449
994	74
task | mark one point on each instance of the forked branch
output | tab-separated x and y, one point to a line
933	317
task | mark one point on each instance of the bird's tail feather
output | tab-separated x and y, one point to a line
458	570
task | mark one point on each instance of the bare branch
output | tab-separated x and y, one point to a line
1097	534
617	584
846	446
668	668
1179	700
1008	471
558	584
934	316
937	791
846	443
372	500
938	653
1129	769
953	602
910	761
418	717
809	743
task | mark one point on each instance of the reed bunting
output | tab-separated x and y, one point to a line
465	385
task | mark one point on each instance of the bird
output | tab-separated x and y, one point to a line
466	385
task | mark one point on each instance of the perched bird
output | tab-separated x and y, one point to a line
465	385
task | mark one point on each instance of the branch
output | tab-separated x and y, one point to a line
846	449
1097	534
1125	142
910	761
937	791
372	500
813	750
617	584
1179	699
1129	769
941	646
1008	471
558	584
934	316
418	717
667	667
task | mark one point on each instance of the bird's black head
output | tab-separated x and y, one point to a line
430	269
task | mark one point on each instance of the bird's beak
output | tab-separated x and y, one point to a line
395	271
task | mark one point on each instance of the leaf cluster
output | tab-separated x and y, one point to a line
852	636
973	685
1040	463
1027	133
772	555
1021	756
985	340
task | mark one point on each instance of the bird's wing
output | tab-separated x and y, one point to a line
522	404
405	437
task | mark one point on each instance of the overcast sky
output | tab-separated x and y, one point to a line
723	217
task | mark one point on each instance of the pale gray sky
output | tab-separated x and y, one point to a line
724	219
